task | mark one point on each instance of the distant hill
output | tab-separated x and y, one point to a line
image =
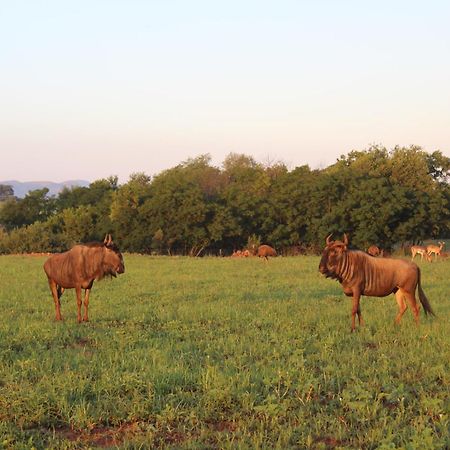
22	187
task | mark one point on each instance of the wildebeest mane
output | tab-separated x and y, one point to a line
93	244
112	246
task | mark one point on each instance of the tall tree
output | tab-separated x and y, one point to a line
125	213
35	207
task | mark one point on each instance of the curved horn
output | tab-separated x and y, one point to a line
345	239
105	241
328	239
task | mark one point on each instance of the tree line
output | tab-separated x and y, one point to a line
377	196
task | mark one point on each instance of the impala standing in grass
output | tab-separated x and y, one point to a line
435	249
420	250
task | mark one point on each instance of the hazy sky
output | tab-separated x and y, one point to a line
95	88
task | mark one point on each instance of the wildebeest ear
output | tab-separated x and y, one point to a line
345	239
328	239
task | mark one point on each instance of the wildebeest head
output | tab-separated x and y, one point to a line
113	259
332	256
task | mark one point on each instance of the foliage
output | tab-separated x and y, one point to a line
377	196
253	242
35	207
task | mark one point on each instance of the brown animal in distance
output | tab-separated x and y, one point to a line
79	267
360	274
435	249
373	250
264	251
420	250
240	254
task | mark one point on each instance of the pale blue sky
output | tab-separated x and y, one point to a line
95	88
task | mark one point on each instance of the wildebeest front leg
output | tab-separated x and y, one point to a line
356	310
86	304
78	292
56	297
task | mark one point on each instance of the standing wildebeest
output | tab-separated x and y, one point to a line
361	274
79	267
264	251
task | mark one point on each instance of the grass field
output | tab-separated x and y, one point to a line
220	353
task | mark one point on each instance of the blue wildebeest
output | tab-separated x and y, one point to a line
361	274
79	267
264	251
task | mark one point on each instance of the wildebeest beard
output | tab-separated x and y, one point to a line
110	273
333	276
107	272
324	269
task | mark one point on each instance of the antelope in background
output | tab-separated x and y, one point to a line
420	250
373	250
435	249
264	251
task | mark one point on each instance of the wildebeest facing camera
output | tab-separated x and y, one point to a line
361	274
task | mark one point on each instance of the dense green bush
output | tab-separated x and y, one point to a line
377	196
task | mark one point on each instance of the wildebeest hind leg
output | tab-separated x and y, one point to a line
413	304
86	304
56	296
400	297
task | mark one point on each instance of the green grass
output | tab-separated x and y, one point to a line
219	353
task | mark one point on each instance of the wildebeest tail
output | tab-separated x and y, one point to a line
423	298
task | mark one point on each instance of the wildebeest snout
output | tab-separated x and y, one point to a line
323	269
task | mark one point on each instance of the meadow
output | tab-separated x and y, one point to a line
220	353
